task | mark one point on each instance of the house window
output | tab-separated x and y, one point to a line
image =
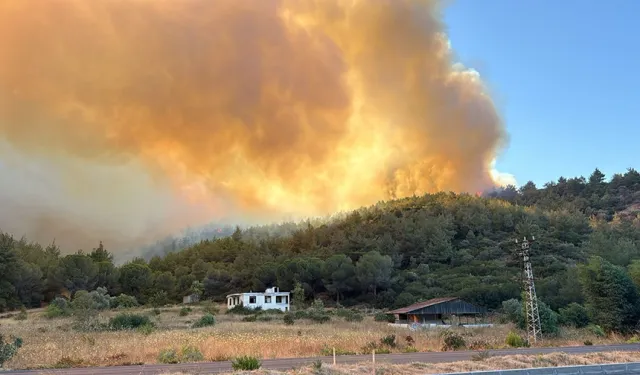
252	299
278	299
267	299
286	299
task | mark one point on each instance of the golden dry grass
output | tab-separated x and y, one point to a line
493	363
46	342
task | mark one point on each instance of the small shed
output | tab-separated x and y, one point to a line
192	298
444	311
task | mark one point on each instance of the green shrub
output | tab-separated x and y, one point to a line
410	349
124	301
274	311
125	321
205	321
389	341
185	311
383	317
57	308
516	341
146	329
512	310
288	319
190	354
588	343
245	363
596	330
349	315
159	299
319	318
98	299
264	318
452	340
168	356
241	310
8	349
574	315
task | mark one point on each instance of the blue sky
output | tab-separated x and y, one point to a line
564	74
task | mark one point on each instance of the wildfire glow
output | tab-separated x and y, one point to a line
238	106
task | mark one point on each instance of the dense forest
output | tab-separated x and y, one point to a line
387	255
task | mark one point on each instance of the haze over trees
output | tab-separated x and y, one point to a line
586	257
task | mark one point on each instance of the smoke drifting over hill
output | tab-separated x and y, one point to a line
132	119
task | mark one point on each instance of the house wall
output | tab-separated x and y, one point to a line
267	300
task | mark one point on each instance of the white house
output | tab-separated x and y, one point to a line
272	298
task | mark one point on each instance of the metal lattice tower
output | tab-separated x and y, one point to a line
531	300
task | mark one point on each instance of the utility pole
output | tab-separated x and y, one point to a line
531	300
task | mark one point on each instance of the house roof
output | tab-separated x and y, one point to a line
420	305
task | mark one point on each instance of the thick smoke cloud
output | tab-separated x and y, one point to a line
132	119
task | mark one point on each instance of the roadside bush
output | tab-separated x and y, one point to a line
184	311
382	317
512	310
245	363
125	321
516	341
190	354
168	356
8	349
389	341
452	341
574	315
288	319
596	330
124	301
205	321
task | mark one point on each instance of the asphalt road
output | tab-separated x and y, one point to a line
289	363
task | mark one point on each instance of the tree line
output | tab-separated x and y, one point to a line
388	255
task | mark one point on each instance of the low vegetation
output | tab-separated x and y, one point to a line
141	335
8	349
344	274
245	363
482	362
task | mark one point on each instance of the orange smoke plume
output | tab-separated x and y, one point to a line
190	110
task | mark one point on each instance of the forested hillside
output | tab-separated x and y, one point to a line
387	255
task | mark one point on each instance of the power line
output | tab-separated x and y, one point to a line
534	330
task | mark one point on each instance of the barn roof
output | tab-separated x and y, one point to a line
423	304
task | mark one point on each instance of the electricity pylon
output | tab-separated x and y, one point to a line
531	300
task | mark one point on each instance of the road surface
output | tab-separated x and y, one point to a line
289	363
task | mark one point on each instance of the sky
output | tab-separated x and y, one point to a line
564	75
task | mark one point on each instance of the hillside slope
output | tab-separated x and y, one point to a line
389	254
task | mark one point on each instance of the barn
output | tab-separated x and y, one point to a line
446	311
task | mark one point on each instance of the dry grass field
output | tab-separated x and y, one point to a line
54	342
494	363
